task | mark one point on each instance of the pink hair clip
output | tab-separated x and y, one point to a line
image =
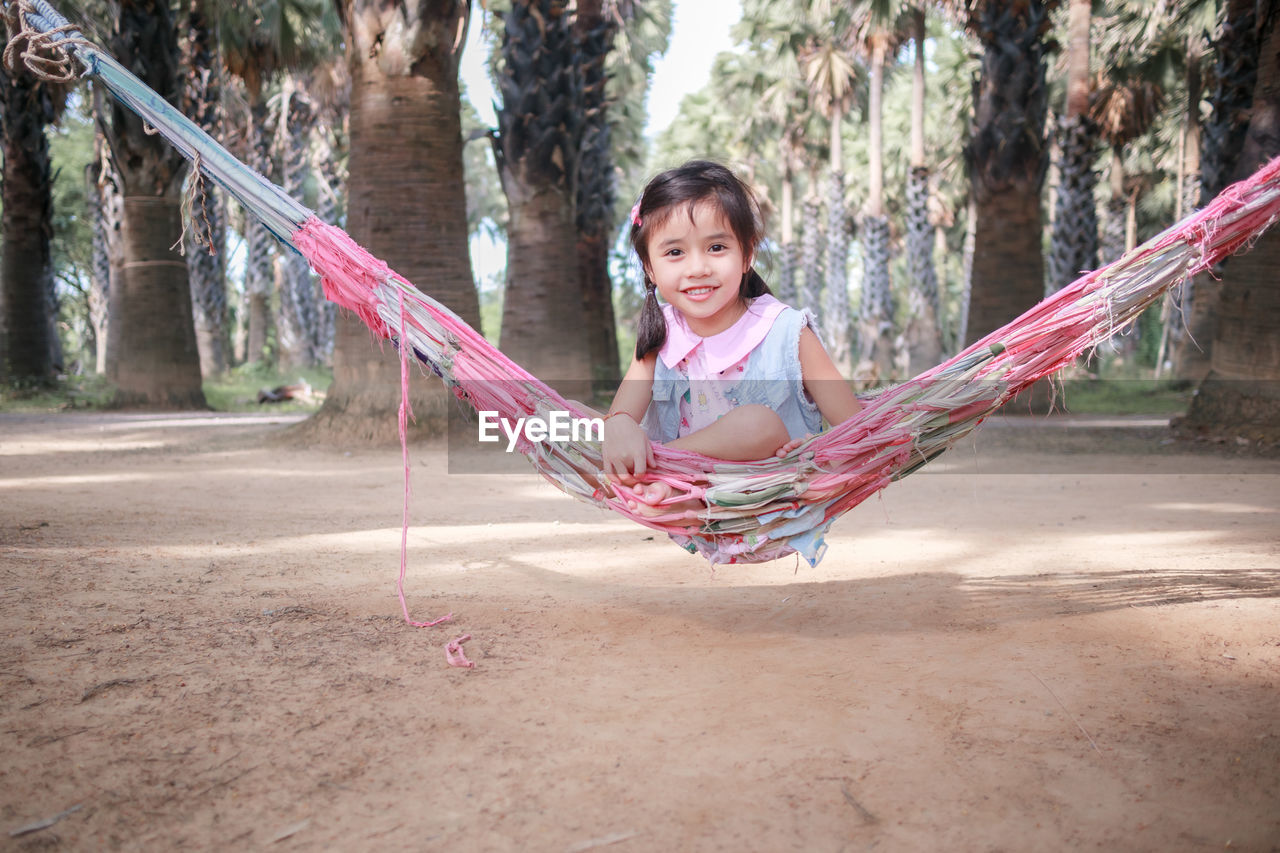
635	215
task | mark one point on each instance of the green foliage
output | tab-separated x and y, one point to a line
71	151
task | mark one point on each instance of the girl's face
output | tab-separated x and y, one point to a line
698	267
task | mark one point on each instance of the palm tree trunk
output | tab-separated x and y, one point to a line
104	210
99	265
1113	227
206	242
786	213
153	358
1235	72
324	164
260	246
406	201
157	362
299	305
1173	315
1074	248
594	34
1240	396
811	275
540	247
836	320
876	360
876	337
29	339
1007	160
924	325
539	155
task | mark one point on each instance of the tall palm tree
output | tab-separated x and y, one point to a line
260	42
831	75
879	37
206	242
328	164
812	248
102	201
29	351
406	198
152	356
1238	396
96	206
923	330
594	31
1074	245
1190	33
1235	70
539	151
1007	157
1126	106
781	111
298	323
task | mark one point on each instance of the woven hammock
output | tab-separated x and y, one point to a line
752	511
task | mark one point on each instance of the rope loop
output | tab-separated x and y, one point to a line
44	53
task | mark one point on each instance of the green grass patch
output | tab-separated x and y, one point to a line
241	389
238	390
68	392
1124	397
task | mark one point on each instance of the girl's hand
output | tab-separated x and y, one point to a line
791	445
627	451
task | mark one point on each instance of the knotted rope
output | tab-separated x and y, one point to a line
43	51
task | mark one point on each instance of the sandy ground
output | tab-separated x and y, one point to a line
1062	636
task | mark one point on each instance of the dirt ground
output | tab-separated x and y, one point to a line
1061	636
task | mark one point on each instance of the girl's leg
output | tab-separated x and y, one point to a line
744	434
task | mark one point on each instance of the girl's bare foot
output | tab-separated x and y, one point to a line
649	503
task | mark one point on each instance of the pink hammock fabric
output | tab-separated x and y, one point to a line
763	510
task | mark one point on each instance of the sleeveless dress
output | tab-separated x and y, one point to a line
696	380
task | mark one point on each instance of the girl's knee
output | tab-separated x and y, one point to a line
761	427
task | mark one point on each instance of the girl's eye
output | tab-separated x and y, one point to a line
718	247
674	253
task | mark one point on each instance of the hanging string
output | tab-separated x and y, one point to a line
195	212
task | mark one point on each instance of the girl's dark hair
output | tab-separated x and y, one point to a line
684	188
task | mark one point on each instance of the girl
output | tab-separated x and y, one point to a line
723	368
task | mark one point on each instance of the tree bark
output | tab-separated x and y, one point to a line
206	241
594	33
541	128
1222	135
1007	159
407	204
539	299
260	245
153	358
28	337
157	363
1240	396
923	331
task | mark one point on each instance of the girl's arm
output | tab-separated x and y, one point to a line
626	449
823	381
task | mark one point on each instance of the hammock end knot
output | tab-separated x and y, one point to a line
44	41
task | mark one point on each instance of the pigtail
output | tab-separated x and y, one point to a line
652	333
753	285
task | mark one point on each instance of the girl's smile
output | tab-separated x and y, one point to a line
697	265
